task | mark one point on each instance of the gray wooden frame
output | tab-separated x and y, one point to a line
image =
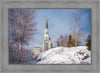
95	7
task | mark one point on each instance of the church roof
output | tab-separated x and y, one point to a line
46	22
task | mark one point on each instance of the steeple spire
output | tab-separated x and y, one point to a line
46	22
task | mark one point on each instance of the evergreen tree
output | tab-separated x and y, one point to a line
70	44
73	42
88	44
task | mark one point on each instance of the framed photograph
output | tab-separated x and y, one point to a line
63	41
49	36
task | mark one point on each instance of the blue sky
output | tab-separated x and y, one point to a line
59	23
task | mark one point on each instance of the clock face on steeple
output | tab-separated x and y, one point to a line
46	33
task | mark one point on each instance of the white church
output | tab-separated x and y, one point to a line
46	44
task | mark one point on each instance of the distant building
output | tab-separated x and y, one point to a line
46	42
36	51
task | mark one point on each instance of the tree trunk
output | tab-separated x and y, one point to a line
21	46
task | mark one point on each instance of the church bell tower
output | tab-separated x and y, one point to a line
46	40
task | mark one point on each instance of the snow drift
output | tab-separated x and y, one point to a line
65	55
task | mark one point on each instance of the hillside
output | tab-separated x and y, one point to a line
65	55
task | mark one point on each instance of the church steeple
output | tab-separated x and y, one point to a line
46	28
46	22
46	40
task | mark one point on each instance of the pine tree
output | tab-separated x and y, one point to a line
73	42
88	44
69	44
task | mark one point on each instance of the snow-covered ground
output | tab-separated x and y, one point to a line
65	55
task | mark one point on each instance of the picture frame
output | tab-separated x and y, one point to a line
92	4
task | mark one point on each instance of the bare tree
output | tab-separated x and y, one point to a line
62	40
81	37
78	35
21	25
28	24
19	57
13	25
75	24
21	29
